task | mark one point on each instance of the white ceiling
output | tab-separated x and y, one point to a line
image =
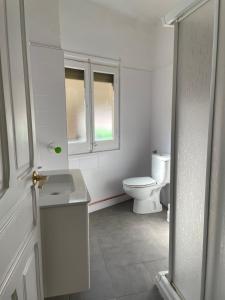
148	11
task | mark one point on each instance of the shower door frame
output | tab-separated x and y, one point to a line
173	19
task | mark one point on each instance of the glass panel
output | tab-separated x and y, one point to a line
75	105
103	106
195	42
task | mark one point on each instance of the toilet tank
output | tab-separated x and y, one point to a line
161	168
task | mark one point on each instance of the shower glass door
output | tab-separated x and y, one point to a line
192	125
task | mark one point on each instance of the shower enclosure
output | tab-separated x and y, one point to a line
196	242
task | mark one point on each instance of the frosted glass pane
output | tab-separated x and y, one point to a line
195	43
103	106
75	105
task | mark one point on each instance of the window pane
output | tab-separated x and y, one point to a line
103	106
75	104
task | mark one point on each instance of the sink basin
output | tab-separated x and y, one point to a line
63	187
59	184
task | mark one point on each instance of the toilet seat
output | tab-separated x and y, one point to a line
139	182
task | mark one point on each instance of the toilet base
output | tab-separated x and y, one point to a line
147	206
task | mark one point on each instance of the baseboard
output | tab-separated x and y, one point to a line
165	288
94	206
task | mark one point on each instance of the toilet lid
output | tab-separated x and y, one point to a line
139	181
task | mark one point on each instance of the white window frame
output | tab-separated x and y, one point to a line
75	147
89	68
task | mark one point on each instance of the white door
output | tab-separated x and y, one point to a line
20	272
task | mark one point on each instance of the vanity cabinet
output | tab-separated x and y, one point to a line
65	244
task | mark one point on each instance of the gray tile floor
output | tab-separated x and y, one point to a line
126	251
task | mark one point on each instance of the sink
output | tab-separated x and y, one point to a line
63	187
59	184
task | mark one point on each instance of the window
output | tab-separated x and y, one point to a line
75	95
103	106
92	104
77	75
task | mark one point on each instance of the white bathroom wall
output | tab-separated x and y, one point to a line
43	21
47	68
161	109
163	46
161	97
89	28
104	171
49	103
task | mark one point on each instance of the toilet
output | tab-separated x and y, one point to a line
146	190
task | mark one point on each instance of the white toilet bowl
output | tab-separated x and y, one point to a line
146	194
146	190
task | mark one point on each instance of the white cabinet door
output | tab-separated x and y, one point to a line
20	272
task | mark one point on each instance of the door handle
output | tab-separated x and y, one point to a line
40	179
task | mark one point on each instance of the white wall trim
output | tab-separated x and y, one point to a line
102	60
137	69
165	288
43	45
107	203
93	58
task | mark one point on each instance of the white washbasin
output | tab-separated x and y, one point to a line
59	184
63	187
